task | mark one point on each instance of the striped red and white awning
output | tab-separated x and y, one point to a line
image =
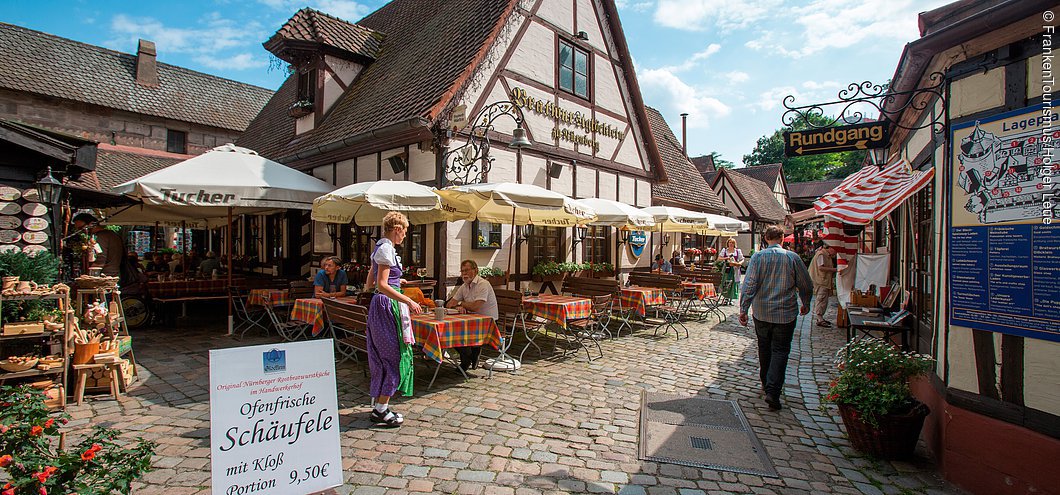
872	192
846	246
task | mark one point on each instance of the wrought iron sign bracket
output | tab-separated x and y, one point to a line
471	162
877	96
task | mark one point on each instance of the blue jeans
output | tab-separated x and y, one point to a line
774	344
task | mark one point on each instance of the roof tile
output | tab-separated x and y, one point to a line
766	173
758	196
686	184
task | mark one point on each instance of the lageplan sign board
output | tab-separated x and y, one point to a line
836	139
274	424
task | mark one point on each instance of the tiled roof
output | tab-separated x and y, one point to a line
318	28
705	164
48	65
765	173
811	190
757	195
119	164
686	184
427	48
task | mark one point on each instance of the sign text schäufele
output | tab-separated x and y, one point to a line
836	139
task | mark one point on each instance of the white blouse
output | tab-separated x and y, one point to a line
386	255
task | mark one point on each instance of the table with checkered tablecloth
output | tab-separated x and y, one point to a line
454	331
558	309
703	289
275	297
311	310
191	288
639	299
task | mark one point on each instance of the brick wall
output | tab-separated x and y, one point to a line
107	125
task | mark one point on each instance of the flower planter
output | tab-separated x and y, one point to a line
604	274
498	280
896	436
556	277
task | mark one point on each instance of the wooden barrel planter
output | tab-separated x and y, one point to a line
896	436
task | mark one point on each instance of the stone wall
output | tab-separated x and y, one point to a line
107	125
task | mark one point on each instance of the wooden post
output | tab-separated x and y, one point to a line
229	246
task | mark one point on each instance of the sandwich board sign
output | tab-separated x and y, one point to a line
274	423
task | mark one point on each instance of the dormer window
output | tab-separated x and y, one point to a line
305	101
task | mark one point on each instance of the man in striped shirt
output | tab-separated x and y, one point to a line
775	282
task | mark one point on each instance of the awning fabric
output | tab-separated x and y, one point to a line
805	216
872	193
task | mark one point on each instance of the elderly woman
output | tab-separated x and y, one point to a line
730	280
389	328
331	280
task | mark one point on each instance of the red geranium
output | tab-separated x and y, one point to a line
36	431
6	460
49	423
88	455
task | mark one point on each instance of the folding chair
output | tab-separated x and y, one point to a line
668	315
248	319
512	317
349	325
586	328
289	330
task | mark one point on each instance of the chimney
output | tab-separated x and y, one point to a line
684	133
146	66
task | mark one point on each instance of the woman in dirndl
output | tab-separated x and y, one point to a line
730	278
389	333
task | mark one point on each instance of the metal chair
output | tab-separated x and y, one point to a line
248	318
512	317
586	328
289	330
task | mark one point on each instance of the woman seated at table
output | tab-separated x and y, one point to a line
389	328
331	280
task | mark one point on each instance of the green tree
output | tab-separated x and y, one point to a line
720	162
770	149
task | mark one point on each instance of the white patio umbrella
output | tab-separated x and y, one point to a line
724	226
366	203
208	189
673	219
514	204
617	214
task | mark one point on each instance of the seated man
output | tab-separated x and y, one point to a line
475	295
208	265
661	265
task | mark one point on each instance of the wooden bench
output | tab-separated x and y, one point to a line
656	280
589	287
349	323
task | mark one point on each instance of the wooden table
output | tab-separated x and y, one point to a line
876	323
275	297
311	310
462	330
558	309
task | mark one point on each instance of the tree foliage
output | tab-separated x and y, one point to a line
720	162
770	149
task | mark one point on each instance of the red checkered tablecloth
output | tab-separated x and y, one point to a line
187	288
559	309
454	331
703	289
312	311
640	298
275	297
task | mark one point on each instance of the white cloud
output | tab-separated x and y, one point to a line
691	62
241	61
215	34
737	77
344	9
643	6
823	85
681	97
772	98
698	15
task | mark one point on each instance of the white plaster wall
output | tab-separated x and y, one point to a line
588	22
346	72
629	154
643	194
535	56
977	92
540	126
608	144
607	93
323	173
344	173
1041	374
626	189
558	12
476	87
534	171
421	165
565	183
387	172
504	163
367	168
608	186
304	124
586	182
1035	76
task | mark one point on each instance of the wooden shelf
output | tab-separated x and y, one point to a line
32	335
32	297
31	372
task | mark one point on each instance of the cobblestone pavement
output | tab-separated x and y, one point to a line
559	425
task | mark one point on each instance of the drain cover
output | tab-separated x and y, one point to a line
700	443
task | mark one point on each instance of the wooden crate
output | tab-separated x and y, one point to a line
100	378
24	328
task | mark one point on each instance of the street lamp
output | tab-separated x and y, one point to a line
469	163
579	234
49	189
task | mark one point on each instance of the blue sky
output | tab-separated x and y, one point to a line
728	63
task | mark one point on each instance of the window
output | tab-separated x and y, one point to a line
546	245
307	85
413	249
485	235
176	141
323	243
573	69
596	247
920	278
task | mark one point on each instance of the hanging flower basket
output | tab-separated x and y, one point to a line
300	109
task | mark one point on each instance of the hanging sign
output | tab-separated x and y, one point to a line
10	209
637	240
35	223
35	237
459	120
835	139
34	209
9	222
274	424
8	193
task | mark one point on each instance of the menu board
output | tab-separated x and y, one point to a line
1004	232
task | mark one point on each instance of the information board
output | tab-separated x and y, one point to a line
274	425
1004	234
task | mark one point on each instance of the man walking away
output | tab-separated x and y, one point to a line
822	271
776	280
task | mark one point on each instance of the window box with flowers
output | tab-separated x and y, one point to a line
300	108
881	416
495	276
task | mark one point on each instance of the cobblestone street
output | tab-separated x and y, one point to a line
559	425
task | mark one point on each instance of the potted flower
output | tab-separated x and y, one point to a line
34	463
881	416
495	276
547	271
300	108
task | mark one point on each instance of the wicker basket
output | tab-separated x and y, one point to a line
896	436
88	282
10	367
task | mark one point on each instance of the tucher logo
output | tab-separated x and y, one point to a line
200	196
274	361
